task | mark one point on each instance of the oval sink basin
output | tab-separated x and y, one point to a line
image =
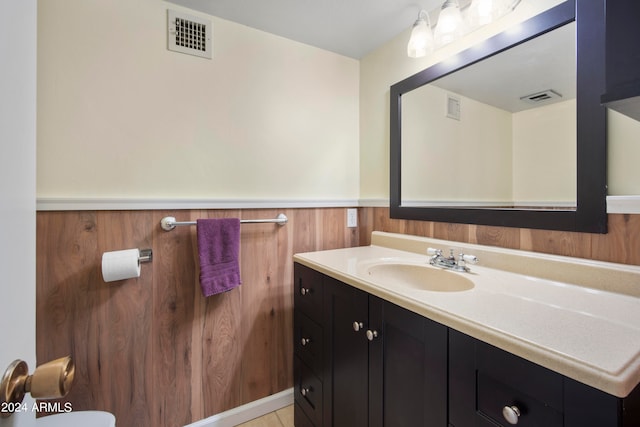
419	276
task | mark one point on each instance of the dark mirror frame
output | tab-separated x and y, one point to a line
590	214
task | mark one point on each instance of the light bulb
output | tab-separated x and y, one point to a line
421	40
450	25
482	12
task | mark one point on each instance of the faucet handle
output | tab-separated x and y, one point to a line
472	259
432	251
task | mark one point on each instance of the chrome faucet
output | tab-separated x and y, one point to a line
450	262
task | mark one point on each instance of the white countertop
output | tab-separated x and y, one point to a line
577	317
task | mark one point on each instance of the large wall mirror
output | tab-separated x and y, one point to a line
510	132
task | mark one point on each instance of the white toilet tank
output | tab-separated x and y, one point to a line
78	419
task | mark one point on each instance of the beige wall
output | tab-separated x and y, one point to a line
544	155
479	147
622	155
120	116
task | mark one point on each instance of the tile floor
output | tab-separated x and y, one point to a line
280	418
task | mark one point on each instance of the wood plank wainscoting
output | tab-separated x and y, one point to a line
155	353
152	350
621	244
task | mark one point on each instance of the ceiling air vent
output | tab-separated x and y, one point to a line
189	34
540	97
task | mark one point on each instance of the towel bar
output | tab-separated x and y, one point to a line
168	223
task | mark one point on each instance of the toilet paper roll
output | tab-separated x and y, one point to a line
119	265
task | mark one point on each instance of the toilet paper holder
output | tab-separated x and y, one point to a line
146	255
50	380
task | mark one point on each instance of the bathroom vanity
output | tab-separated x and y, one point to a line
382	338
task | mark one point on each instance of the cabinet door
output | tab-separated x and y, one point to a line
346	355
408	368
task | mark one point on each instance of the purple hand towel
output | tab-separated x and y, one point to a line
218	247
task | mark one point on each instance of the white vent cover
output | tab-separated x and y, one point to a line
189	34
540	97
453	107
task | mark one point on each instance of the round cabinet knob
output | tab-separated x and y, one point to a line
511	414
305	341
305	291
357	326
305	391
371	335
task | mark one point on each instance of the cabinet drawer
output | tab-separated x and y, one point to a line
308	391
308	291
520	374
527	411
483	380
308	341
505	380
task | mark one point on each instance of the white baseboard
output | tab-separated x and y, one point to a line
248	412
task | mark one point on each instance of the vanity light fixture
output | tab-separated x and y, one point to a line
453	22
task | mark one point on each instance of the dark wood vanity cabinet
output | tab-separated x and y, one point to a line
361	361
381	365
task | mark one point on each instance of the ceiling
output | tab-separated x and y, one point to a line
547	62
348	27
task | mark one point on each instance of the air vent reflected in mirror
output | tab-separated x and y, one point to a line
539	97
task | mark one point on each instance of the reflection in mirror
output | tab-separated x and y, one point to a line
499	133
549	163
